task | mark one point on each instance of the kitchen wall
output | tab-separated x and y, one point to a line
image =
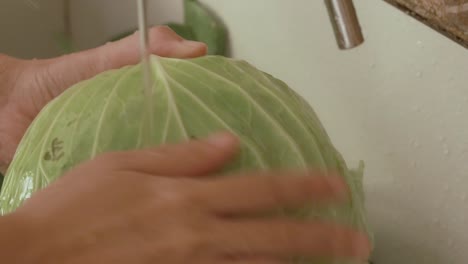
29	28
399	102
95	22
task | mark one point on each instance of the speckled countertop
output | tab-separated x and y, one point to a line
449	17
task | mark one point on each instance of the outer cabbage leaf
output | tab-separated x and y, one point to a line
193	98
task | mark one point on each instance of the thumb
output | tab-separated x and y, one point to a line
70	69
194	158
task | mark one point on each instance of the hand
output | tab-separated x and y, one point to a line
27	86
159	206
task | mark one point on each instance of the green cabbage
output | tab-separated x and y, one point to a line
192	98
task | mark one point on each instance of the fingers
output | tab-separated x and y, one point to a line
253	193
286	239
163	42
70	69
194	158
178	48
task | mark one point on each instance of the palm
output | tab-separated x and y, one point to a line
25	98
27	86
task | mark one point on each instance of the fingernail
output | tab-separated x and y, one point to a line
193	44
362	248
221	140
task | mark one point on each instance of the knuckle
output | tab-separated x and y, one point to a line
176	193
182	239
185	199
176	199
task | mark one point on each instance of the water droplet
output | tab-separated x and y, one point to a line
446	188
436	221
372	65
465	99
419	43
419	74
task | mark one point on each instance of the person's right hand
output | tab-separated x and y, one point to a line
161	206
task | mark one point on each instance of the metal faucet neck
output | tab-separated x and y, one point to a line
345	23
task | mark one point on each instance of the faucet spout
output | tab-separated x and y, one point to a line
345	23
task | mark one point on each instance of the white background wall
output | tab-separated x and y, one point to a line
400	102
29	31
94	22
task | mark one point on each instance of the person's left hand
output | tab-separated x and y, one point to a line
26	86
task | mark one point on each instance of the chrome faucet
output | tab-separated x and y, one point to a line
345	23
